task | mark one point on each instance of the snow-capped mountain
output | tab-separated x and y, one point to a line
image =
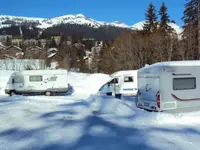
78	19
43	23
139	26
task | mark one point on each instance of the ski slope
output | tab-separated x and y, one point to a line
67	122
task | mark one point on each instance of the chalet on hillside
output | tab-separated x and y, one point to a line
12	52
17	41
4	38
52	52
31	42
2	47
33	52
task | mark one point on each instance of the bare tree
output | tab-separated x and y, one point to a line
199	29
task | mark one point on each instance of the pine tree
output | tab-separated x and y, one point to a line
190	33
62	39
8	41
53	43
199	29
191	13
151	19
164	19
39	43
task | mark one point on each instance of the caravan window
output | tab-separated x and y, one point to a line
18	79
115	80
184	83
35	78
128	79
53	78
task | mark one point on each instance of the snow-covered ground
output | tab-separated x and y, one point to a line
66	122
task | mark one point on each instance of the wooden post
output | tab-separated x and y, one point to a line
115	86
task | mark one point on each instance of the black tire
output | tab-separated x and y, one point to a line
12	93
109	93
136	99
118	96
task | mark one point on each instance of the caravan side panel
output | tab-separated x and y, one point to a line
46	82
184	86
166	84
129	84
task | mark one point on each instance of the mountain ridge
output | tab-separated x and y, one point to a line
44	23
69	25
79	19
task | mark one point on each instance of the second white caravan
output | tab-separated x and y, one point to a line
121	83
48	82
169	86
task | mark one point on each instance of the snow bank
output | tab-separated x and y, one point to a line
4	77
87	84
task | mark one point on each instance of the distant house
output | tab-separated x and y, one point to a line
31	42
79	45
2	47
17	41
3	38
51	53
43	42
97	48
53	57
12	52
33	52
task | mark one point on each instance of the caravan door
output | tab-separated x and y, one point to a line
149	92
111	87
114	86
18	83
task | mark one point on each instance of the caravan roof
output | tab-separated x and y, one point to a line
42	72
170	65
124	72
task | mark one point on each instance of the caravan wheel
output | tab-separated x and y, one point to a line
48	93
12	93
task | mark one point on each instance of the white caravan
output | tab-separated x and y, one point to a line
121	83
47	82
169	86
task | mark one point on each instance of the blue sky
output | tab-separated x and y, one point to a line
127	11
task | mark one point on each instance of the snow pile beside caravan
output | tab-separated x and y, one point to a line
87	84
4	77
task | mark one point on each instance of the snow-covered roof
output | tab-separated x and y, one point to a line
52	49
85	57
14	47
51	55
171	64
1	45
34	47
19	53
43	72
123	72
79	45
